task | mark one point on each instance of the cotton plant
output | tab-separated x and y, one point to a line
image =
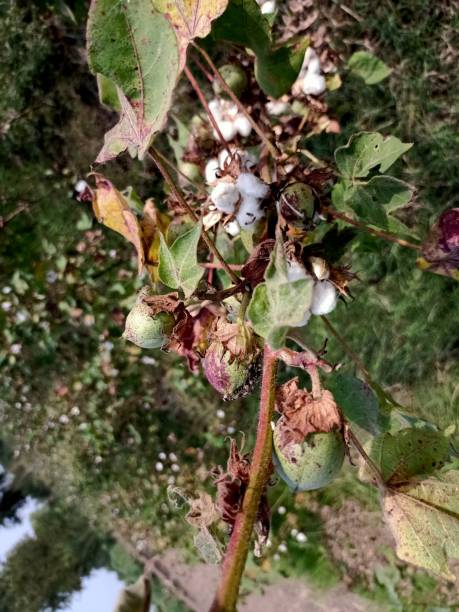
230	121
310	80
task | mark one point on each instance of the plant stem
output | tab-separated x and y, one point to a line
380	233
215	265
203	101
238	546
272	149
178	194
179	172
371	464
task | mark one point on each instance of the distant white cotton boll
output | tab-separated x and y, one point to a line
243	125
80	186
311	62
276	107
225	195
268	7
232	110
250	185
232	228
215	108
211	169
296	271
227	128
249	212
314	84
324	298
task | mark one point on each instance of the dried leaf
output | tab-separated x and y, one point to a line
202	512
111	209
441	249
255	268
207	547
153	223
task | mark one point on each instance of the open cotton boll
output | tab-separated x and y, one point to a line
216	109
268	7
311	62
324	298
242	125
231	110
296	271
232	228
225	195
249	212
276	107
227	128
250	185
210	172
314	84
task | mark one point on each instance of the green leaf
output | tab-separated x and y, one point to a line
367	150
409	452
358	403
134	46
276	69
178	265
368	67
372	201
278	304
424	519
190	19
108	94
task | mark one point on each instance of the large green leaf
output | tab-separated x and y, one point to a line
134	46
358	403
367	150
178	265
278	304
190	18
368	67
276	68
409	452
424	519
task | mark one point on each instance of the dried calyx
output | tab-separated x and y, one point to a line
232	362
148	327
309	444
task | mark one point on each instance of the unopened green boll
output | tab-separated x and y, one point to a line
297	205
312	464
145	330
235	77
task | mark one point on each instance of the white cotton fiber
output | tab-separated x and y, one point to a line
296	271
225	195
324	298
232	228
242	125
227	128
314	84
250	185
249	212
211	169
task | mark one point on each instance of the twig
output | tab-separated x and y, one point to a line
380	233
17	211
216	265
238	547
272	148
178	194
203	101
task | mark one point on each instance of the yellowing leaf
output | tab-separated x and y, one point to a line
190	18
424	519
153	224
111	209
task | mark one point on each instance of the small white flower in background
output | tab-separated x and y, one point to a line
301	537
220	414
21	316
281	510
16	348
98	459
162	456
294	533
175	467
277	107
310	81
80	186
51	277
324	298
6	290
6	306
267	7
173	457
159	467
147	360
75	411
276	557
113	253
229	120
63	419
230	430
282	548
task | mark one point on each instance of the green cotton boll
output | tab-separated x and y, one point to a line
312	464
145	330
191	171
297	205
235	77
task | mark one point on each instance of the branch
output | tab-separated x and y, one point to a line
366	228
238	547
203	101
178	194
272	149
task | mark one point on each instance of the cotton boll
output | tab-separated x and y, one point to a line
227	128
314	84
324	298
225	195
250	185
231	110
216	109
311	62
232	228
296	271
210	172
276	107
243	125
249	212
268	7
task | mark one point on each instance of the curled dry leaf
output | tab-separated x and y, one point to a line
254	269
303	413
112	209
202	512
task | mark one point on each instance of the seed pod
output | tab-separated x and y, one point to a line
145	330
297	206
235	77
312	464
226	374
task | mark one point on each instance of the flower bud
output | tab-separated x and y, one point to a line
145	330
312	464
234	76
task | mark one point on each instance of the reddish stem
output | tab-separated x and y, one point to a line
238	546
216	265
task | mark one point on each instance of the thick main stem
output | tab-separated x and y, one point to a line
380	233
238	547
